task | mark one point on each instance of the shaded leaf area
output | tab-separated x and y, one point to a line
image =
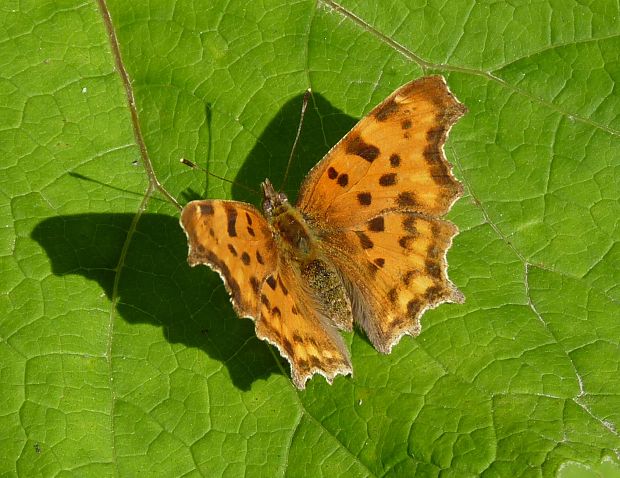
119	359
148	292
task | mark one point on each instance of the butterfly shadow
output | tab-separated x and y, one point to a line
156	285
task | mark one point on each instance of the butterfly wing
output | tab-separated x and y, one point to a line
379	194
392	159
290	320
394	268
234	239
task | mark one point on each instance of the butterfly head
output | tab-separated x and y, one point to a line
273	202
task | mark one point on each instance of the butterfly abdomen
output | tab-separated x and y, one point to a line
327	287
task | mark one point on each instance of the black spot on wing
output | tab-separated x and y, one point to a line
314	360
388	179
206	209
255	284
282	286
365	241
272	282
376	224
406	199
231	215
386	110
440	175
406	242
409	275
433	293
356	145
259	258
409	224
413	307
245	258
364	199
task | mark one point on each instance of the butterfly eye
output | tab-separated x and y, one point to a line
282	198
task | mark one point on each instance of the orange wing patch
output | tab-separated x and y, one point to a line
234	239
396	267
392	159
290	320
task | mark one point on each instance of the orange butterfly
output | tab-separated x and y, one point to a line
364	244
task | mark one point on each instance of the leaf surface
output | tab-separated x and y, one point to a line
118	359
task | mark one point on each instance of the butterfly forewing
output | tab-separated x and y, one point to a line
234	239
392	159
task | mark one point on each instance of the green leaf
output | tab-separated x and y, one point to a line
118	359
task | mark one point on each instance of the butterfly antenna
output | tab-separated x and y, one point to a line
304	105
192	165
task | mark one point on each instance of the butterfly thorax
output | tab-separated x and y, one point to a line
287	223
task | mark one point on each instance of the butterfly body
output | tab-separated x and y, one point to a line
365	243
300	247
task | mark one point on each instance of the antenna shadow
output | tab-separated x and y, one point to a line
323	127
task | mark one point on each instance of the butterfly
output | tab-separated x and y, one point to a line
365	243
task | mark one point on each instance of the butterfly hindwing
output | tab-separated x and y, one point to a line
290	320
395	268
